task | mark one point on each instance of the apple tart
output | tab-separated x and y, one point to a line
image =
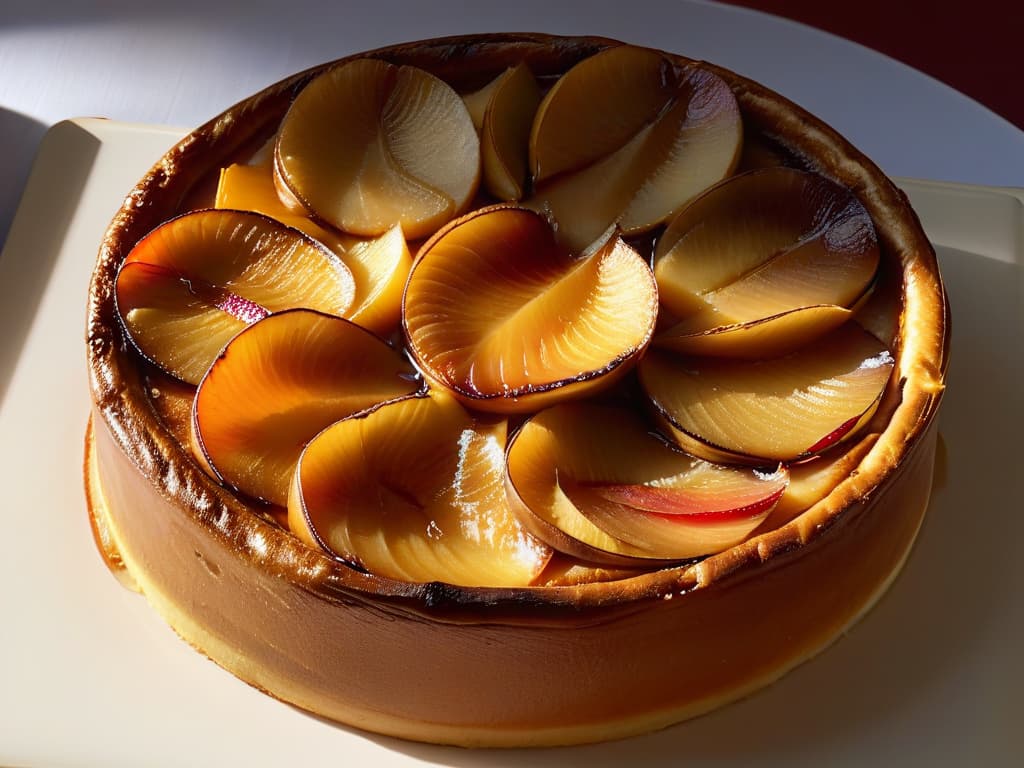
433	385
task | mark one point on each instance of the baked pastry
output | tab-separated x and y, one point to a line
593	629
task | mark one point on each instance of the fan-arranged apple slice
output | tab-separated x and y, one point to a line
755	339
379	265
251	188
503	112
594	482
782	409
566	571
812	481
280	382
367	145
195	281
501	315
414	490
763	263
626	137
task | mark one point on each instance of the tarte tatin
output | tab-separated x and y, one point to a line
512	390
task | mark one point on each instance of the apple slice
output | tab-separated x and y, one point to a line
783	409
753	339
503	112
565	571
626	137
251	188
379	265
812	481
195	281
782	249
607	98
501	315
673	521
367	145
277	384
477	101
594	482
414	490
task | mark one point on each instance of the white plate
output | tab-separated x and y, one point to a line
89	675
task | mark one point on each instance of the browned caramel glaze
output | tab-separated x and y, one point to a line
505	666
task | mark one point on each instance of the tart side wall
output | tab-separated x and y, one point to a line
516	682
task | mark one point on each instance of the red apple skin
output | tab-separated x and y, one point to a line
666	504
596	483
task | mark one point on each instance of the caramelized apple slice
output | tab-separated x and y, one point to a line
508	320
781	409
594	482
626	137
414	490
379	265
812	481
192	283
477	101
252	188
768	337
565	571
280	382
367	145
779	247
502	112
607	98
675	522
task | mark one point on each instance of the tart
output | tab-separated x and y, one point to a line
611	229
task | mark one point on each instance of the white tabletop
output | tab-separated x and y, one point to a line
180	63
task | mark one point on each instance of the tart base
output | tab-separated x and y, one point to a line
513	681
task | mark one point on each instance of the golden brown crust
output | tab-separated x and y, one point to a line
226	552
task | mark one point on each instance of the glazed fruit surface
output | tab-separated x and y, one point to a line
589	324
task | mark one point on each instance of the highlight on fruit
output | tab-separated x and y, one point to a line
534	333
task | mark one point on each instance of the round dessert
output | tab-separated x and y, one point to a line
512	390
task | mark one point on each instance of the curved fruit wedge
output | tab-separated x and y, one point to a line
367	145
782	409
379	265
595	483
566	571
280	382
193	282
778	246
414	490
627	138
508	320
812	481
608	98
252	188
754	339
502	113
477	101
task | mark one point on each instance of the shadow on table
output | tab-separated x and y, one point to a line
65	154
19	137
